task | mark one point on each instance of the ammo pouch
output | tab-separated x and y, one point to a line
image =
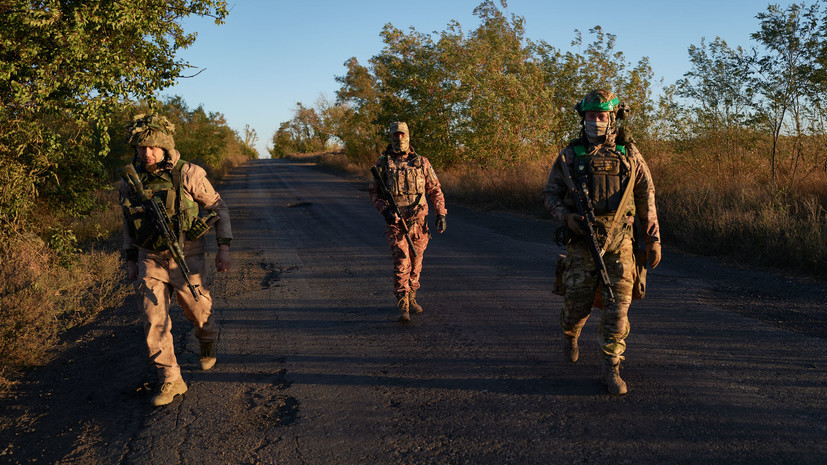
559	282
639	286
201	226
562	235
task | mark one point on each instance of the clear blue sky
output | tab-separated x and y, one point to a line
271	54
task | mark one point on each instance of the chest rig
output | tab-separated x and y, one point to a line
166	186
405	180
608	173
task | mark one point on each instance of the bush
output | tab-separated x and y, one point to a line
43	293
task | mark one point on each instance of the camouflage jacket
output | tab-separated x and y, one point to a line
197	188
558	202
433	190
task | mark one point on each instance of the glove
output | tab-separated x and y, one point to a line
575	222
441	223
653	254
390	217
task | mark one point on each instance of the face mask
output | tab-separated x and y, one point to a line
401	144
596	131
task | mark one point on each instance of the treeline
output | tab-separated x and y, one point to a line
71	75
202	137
735	145
490	96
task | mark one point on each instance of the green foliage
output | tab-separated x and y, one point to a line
202	137
489	97
39	297
776	91
65	67
310	130
63	243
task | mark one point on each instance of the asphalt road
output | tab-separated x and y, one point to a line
725	365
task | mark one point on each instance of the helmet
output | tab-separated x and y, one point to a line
150	130
598	100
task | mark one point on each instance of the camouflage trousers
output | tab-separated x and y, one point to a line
158	277
406	269
582	281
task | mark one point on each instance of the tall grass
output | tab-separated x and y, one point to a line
517	187
43	294
49	286
714	197
726	204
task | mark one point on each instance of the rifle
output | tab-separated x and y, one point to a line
386	194
157	214
583	203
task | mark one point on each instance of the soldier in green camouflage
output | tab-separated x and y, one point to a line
621	190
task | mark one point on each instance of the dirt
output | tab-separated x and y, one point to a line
724	364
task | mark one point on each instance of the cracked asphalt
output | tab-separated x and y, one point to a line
725	364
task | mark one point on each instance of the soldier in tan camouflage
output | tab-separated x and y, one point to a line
621	189
410	178
182	188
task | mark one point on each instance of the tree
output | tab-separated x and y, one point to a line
201	136
65	67
488	97
358	97
721	95
786	75
719	82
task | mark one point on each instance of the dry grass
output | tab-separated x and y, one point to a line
517	187
43	293
738	213
714	197
335	162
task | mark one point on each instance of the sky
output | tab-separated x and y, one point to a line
271	54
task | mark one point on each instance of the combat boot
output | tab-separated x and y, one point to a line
610	376
168	391
413	305
207	359
404	308
570	349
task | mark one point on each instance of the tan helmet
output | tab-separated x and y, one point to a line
150	130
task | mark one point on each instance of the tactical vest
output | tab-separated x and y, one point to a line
608	175
166	186
406	180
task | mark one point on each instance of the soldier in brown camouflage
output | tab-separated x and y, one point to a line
410	178
610	166
183	189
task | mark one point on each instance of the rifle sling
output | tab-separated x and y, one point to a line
620	209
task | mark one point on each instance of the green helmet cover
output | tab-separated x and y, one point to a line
150	130
600	106
598	100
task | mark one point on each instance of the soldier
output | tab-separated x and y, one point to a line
611	164
409	177
182	188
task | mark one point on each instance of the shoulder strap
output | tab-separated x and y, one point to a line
178	186
561	161
621	208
